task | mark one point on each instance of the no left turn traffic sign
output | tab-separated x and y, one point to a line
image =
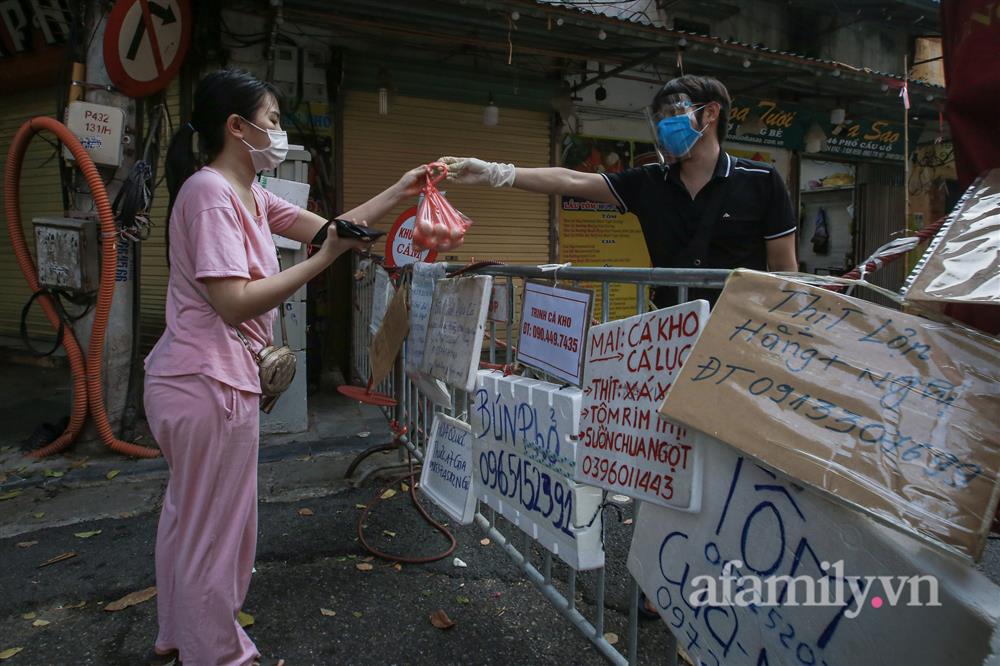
145	42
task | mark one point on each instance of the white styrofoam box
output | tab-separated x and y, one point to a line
291	191
537	419
291	413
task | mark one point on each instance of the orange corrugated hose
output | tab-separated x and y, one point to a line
86	375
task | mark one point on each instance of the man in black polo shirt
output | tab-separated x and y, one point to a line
698	208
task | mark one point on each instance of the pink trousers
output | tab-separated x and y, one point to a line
205	545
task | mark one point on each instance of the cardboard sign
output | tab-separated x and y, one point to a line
500	304
421	297
890	413
389	338
625	445
446	477
382	292
562	515
455	330
554	323
535	419
808	560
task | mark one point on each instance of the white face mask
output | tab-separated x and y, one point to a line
265	159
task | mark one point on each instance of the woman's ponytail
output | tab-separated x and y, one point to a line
180	164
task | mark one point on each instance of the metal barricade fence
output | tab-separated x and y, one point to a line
415	411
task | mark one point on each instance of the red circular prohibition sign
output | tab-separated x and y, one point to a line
154	15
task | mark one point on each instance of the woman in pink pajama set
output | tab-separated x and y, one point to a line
202	386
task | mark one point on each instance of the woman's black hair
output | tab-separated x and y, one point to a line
218	96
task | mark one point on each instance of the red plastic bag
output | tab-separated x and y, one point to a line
439	226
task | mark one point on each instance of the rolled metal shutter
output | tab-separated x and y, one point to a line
40	197
509	225
153	271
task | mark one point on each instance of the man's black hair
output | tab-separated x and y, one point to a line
701	90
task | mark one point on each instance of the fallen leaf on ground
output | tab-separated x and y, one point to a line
441	620
611	637
459	563
39	514
131	599
304	459
327	612
404	487
360	506
364	434
58	558
9	652
52	474
112	474
29	616
357	613
484	542
363	566
245	619
125	514
26	544
306	512
463	600
628	521
79	604
86	535
389	494
389	533
80	463
397	566
367	559
40	623
9	495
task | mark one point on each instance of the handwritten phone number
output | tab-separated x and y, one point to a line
512	476
846	422
620	474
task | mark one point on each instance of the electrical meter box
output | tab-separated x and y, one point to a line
99	129
67	254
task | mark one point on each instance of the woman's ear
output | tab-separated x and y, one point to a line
235	125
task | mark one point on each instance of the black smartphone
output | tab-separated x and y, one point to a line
346	229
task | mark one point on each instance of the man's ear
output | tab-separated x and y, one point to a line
710	114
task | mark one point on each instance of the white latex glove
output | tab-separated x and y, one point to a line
473	171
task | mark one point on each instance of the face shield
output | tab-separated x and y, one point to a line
672	128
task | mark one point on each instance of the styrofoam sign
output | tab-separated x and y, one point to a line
421	297
536	419
554	323
771	573
562	515
446	477
625	445
382	292
455	330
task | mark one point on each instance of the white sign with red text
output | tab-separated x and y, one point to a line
554	324
625	445
399	250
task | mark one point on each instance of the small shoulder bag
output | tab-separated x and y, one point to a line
276	365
